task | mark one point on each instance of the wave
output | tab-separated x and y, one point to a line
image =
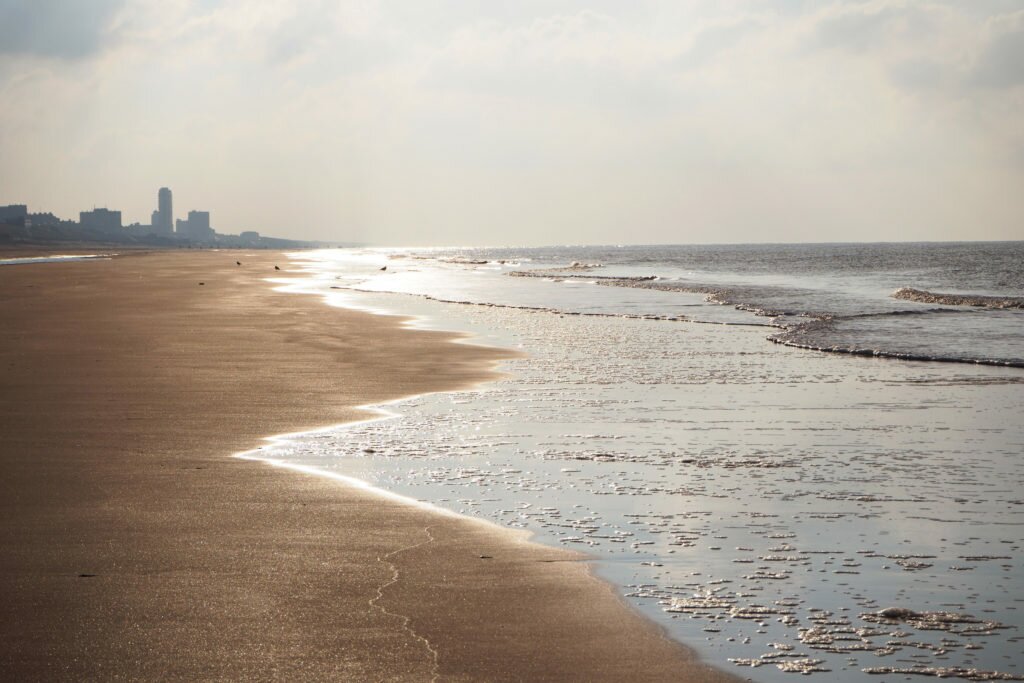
977	300
55	258
805	336
465	261
549	309
804	318
919	311
882	353
556	274
722	296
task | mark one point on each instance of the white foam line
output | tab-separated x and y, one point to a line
54	258
361	484
292	437
354	483
332	298
302	286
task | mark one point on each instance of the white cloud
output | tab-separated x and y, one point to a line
64	29
1000	61
458	121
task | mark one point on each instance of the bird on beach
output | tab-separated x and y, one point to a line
384	268
238	263
276	268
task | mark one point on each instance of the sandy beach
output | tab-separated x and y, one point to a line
137	548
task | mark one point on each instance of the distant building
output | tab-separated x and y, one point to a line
196	227
47	219
138	229
163	217
15	214
101	219
249	235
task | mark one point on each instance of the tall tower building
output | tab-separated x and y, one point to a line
163	219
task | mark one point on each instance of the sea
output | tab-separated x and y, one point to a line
797	459
54	258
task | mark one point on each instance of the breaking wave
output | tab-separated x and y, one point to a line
795	342
925	297
839	299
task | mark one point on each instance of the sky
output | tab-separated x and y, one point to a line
477	122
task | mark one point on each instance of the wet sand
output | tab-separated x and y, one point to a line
135	547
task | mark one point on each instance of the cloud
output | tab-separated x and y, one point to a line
863	27
713	40
64	29
1000	63
304	30
560	62
922	74
429	120
925	47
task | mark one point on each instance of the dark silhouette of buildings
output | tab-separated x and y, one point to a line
103	220
15	214
47	219
196	227
18	226
163	217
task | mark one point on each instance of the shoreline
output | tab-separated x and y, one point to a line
376	413
141	549
740	464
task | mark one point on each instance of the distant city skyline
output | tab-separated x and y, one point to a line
162	222
534	123
23	225
195	228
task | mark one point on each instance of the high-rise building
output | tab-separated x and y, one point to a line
163	217
101	219
15	214
196	227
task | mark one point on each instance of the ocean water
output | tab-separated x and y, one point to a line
845	503
56	258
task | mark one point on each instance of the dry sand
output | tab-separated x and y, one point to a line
134	547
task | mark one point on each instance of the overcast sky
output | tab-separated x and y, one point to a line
528	122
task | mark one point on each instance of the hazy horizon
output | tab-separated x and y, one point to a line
560	122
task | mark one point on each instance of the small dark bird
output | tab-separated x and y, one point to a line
238	263
384	268
276	268
202	283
